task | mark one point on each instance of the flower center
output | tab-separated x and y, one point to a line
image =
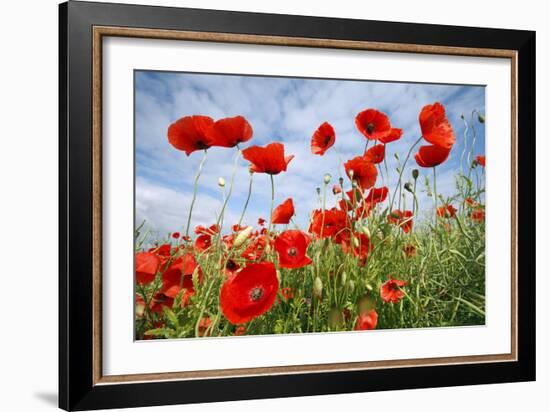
292	251
370	128
327	139
256	294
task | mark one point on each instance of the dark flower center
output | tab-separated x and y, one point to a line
256	294
292	251
201	145
370	128
327	139
231	265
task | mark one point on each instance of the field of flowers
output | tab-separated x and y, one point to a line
373	262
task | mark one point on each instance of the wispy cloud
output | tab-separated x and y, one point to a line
279	109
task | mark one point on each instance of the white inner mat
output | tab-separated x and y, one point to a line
121	355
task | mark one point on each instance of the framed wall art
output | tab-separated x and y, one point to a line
257	205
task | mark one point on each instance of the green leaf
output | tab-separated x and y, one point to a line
171	316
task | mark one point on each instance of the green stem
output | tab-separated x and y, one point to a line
435	196
195	185
219	223
247	199
402	169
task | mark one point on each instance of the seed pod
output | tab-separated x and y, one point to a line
415	174
341	181
365	230
481	118
318	287
344	277
221	182
327	178
242	236
318	190
408	187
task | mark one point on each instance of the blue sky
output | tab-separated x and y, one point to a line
287	110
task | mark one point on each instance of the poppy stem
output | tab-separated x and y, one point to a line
401	171
219	223
324	202
195	185
435	196
465	143
247	199
471	154
271	208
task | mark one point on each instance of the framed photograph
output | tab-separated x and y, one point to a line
257	205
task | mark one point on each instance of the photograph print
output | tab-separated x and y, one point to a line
278	205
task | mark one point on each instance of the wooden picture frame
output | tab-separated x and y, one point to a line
83	26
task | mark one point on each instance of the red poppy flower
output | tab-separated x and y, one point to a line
237	228
373	124
395	134
203	242
435	127
176	235
250	293
287	293
291	246
229	132
336	189
333	224
431	156
160	300
255	248
211	230
231	267
377	195
357	245
480	160
147	265
361	171
180	276
270	159
471	202
261	221
447	211
478	215
204	324
323	138
240	330
391	292
402	218
367	321
409	250
283	213
375	154
189	133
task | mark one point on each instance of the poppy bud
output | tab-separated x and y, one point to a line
396	156
462	116
368	286
365	230
408	187
242	236
318	190
351	286
221	182
344	277
481	118
341	181
327	178
318	287
415	174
